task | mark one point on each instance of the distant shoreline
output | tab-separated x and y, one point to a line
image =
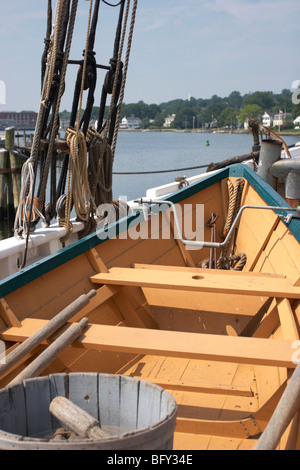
192	131
207	131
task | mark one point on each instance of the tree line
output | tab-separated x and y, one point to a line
216	111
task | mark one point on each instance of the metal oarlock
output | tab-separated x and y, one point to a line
202	244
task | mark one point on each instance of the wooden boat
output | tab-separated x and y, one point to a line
223	342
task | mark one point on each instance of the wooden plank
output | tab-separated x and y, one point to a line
233	429
7	314
214	282
155	267
141	319
109	400
282	253
254	229
175	344
102	294
37	406
287	320
255	321
87	401
13	410
186	255
96	260
268	324
216	389
264	244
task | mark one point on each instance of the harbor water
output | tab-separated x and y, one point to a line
146	151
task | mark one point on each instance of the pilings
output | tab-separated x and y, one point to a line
11	163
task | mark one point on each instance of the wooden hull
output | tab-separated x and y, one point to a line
223	343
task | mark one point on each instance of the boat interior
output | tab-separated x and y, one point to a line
221	341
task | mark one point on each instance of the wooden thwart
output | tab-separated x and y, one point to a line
174	344
214	282
288	324
124	305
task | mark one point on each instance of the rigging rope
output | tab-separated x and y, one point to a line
30	166
158	171
78	187
98	185
129	43
61	88
101	148
29	170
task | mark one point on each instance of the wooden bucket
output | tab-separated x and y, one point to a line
137	414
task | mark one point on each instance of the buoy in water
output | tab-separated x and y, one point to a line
207	143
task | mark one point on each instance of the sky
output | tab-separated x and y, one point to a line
181	48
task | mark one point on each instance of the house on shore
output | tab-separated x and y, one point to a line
267	119
169	120
130	123
281	118
297	122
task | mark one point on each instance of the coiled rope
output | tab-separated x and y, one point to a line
234	262
26	211
235	190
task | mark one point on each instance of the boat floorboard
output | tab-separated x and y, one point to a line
186	442
210	409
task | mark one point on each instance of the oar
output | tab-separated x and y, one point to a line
53	325
47	356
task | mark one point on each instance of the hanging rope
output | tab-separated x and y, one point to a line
98	184
78	187
225	261
30	166
101	148
234	262
100	168
61	89
122	91
26	211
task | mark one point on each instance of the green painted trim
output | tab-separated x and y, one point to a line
32	272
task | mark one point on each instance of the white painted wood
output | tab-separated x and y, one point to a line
83	390
128	403
59	386
37	392
109	400
149	405
119	399
13	411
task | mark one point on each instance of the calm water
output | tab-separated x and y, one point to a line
153	151
149	151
